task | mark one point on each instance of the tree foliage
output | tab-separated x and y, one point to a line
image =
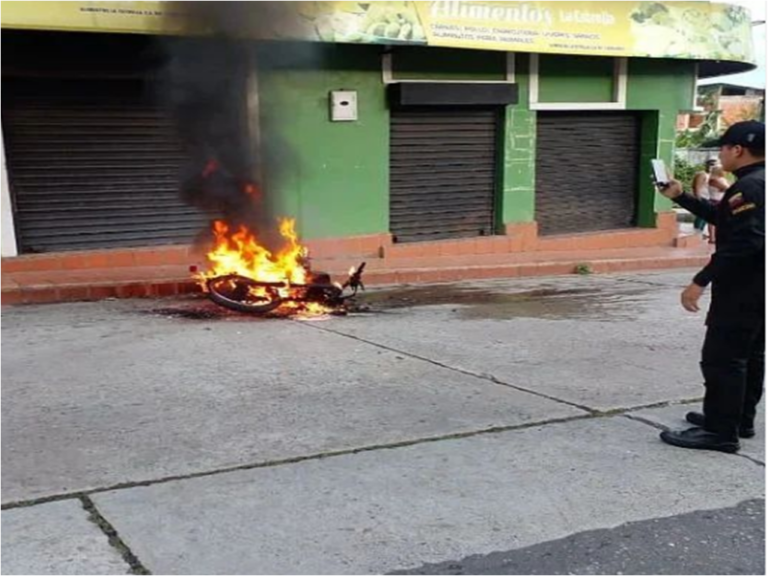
707	130
685	171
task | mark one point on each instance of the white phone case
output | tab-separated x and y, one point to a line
660	174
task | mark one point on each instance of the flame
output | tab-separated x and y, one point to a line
239	252
305	310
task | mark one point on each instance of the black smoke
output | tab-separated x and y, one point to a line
209	84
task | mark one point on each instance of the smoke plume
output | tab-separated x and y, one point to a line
210	86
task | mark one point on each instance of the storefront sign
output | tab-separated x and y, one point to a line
696	30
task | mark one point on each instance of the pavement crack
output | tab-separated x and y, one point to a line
481	376
646	421
751	459
136	567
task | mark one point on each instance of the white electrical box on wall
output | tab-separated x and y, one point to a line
343	105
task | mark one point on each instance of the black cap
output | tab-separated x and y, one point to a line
750	134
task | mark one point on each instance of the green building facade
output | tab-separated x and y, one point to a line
339	184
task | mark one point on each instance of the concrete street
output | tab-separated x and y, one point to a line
499	427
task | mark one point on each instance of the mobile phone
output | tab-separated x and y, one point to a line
659	173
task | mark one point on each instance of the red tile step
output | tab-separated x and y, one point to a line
25	286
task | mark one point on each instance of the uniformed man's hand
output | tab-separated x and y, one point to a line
672	190
691	296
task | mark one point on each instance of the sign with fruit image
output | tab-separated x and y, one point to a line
690	30
365	22
697	30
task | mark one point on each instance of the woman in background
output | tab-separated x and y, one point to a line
700	189
717	184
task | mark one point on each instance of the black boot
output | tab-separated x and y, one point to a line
697	419
700	439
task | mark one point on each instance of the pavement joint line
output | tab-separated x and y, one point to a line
663	404
293	460
495	380
486	377
83	494
659	426
136	567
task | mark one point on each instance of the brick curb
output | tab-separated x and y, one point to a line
158	288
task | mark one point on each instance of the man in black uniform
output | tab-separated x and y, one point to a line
734	347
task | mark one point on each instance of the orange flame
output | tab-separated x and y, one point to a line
239	252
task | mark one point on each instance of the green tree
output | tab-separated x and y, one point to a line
708	100
705	131
684	172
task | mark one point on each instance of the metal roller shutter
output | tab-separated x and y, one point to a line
586	171
442	173
92	165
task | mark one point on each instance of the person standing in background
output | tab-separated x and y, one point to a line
717	184
700	189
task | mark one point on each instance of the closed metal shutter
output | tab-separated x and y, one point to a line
586	171
93	164
442	173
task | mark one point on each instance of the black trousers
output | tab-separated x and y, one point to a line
733	364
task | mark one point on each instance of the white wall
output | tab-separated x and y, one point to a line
8	246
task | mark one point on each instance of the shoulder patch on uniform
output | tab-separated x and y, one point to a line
736	200
744	208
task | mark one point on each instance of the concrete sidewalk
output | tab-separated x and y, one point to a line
491	427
